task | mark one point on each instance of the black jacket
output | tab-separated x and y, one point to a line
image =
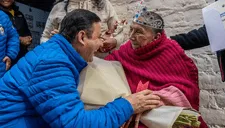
20	23
196	39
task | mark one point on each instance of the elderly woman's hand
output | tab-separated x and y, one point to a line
143	101
108	44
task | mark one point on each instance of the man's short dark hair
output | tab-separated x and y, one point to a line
76	21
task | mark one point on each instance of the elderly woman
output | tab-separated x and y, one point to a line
151	58
102	8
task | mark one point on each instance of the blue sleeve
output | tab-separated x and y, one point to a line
13	42
55	97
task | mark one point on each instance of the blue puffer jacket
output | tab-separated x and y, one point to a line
41	91
9	41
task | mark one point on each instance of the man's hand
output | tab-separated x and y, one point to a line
143	101
108	44
8	62
26	40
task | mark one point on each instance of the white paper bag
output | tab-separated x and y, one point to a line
102	82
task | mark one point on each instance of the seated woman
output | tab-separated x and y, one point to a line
149	57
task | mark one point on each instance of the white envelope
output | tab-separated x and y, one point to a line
214	19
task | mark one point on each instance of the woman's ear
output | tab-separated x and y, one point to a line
158	35
81	37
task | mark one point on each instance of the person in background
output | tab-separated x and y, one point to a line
9	43
41	89
198	38
102	8
151	58
19	22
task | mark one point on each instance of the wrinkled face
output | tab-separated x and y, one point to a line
92	44
6	3
140	35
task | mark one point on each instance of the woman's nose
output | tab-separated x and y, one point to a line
131	36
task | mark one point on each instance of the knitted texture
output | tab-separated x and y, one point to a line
163	63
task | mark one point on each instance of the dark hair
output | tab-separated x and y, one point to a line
100	4
13	6
76	21
65	7
57	1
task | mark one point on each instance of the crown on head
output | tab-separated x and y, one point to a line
147	18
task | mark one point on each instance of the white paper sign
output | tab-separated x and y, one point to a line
214	19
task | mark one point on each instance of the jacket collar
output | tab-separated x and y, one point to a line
72	54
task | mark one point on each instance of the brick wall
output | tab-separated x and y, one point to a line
183	16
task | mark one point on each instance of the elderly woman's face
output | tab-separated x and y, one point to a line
140	35
6	3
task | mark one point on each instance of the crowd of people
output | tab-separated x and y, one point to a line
39	88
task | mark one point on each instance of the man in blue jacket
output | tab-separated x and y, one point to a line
9	43
41	89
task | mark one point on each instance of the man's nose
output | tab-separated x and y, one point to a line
101	43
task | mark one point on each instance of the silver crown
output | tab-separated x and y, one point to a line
148	18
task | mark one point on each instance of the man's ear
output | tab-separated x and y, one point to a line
81	37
